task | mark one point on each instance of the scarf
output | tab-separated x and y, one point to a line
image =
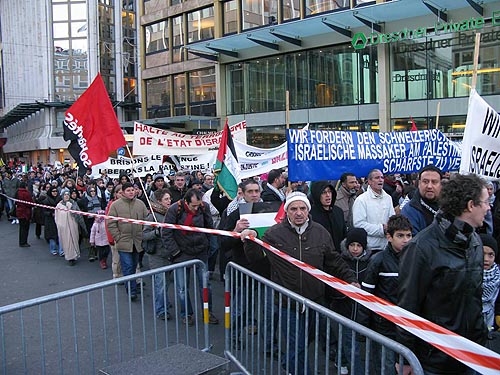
430	210
278	192
491	283
300	229
455	229
189	218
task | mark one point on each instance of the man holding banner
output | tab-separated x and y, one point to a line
441	273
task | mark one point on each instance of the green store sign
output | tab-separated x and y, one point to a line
361	40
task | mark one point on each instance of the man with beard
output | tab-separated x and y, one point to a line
424	205
346	196
272	191
324	212
372	210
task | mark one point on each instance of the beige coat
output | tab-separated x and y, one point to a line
67	229
126	235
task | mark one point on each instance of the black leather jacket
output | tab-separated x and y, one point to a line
440	279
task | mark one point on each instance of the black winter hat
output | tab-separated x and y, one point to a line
489	240
356	235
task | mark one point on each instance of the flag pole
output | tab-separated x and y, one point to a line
140	181
476	61
287	124
437	113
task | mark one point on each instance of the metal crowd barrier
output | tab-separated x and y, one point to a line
263	318
83	330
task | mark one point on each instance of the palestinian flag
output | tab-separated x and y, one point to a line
227	168
261	215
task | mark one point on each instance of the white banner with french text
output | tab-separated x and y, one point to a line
148	139
143	165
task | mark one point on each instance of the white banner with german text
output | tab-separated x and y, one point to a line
481	144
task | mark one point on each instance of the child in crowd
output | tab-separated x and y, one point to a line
99	239
354	252
491	282
381	279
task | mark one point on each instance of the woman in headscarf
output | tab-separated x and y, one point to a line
68	225
89	203
50	229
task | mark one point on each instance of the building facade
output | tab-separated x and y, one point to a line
346	64
50	52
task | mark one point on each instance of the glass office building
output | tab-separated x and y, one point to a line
350	65
51	51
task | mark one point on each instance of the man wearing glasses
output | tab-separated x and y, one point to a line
441	273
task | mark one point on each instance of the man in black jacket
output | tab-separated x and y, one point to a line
441	273
182	246
272	191
325	212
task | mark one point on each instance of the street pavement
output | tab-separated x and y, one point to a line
31	272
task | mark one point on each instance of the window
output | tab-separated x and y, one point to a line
178	38
230	17
179	94
156	36
320	6
201	25
158	97
317	78
202	92
256	13
441	67
291	9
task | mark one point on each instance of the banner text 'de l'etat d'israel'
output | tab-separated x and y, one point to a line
323	154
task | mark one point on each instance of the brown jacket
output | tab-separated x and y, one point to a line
314	247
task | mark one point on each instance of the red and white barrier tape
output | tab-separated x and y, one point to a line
466	351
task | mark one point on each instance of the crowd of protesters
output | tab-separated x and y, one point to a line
369	219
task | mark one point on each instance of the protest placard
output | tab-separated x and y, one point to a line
323	155
481	145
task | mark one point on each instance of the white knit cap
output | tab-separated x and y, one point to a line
297	196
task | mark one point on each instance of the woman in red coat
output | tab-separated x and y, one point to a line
23	213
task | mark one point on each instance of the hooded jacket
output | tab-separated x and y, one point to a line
333	218
339	302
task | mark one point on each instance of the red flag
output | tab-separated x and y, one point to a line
413	125
92	126
281	214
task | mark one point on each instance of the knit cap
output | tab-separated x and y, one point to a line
356	235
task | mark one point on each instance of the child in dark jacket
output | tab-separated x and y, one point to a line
381	279
354	252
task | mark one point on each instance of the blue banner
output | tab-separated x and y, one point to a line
324	155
